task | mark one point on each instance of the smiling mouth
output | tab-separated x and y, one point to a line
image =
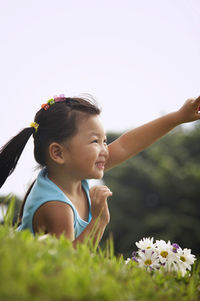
100	165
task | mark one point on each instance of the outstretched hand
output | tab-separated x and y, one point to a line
190	111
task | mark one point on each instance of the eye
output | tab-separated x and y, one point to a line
95	141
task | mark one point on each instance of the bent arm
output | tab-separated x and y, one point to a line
57	218
136	140
94	231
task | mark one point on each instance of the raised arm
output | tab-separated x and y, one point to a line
136	140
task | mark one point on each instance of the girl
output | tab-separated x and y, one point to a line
70	146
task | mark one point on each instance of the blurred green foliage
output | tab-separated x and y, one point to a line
11	204
51	269
157	193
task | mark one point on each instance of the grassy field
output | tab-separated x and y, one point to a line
50	269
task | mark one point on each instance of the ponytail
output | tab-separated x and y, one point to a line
56	121
11	152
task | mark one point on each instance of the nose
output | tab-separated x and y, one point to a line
104	150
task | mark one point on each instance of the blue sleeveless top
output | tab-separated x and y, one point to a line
44	190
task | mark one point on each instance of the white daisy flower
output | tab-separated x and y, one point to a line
165	251
148	259
162	254
145	244
186	259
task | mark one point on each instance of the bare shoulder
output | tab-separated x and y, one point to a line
54	217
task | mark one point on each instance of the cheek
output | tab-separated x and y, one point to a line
85	154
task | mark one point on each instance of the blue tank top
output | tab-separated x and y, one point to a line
44	190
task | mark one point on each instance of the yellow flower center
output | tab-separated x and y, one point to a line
148	247
164	254
148	262
183	258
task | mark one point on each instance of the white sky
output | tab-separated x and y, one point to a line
140	59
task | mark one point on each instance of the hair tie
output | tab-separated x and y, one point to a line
52	101
34	125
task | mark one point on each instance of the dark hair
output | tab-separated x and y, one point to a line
59	123
11	152
56	124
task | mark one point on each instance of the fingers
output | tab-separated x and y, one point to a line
193	100
197	99
99	195
101	191
97	188
192	109
197	103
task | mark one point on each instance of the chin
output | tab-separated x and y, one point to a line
96	177
99	177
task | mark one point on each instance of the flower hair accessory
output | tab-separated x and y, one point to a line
34	125
52	101
60	97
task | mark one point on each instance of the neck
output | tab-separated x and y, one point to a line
67	183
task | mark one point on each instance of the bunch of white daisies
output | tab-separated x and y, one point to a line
171	257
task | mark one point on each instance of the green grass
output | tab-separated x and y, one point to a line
52	270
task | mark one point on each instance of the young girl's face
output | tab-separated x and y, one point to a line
87	151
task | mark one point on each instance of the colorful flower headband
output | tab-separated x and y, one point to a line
52	101
46	106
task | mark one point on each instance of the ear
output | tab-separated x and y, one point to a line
56	152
